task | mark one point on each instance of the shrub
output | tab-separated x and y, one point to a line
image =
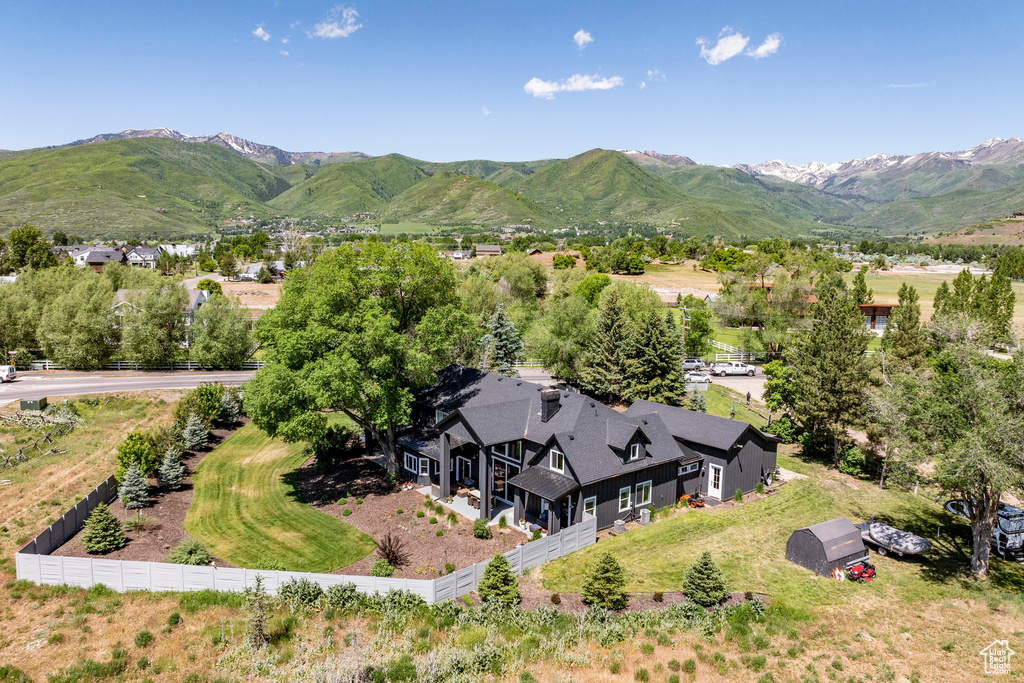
136	523
439	533
397	512
503	522
134	490
536	535
851	460
342	597
647	648
382	569
143	663
195	434
449	567
301	595
433	520
174	619
605	587
204	402
171	472
673	665
556	599
256	615
673	678
135	450
642	675
498	583
346	512
689	666
452	518
392	550
658	596
704	582
697	402
527	677
230	406
759	488
191	552
481	530
343	501
143	638
102	532
419	513
269	566
359	501
13	674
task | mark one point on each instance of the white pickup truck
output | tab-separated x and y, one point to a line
732	368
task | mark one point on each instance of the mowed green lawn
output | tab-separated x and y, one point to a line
749	542
247	511
410	228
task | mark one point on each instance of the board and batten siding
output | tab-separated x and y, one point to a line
742	467
663	480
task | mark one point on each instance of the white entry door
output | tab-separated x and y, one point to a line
715	482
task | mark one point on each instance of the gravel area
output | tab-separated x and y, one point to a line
378	514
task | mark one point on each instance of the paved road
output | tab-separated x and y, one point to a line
39	384
743	384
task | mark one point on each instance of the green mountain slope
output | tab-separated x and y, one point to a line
503	173
351	187
448	198
132	188
945	212
926	179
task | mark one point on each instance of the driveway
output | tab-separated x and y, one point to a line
743	384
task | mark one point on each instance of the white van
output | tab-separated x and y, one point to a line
7	373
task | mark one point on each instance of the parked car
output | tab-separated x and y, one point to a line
692	364
7	373
696	378
1007	535
732	368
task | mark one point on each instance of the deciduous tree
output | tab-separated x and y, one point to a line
153	324
221	337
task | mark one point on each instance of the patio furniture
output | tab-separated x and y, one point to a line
474	498
435	491
462	492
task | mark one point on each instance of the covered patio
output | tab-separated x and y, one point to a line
543	497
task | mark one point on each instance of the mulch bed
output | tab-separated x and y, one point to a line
378	515
166	514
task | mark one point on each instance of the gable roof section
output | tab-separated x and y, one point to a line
620	433
839	538
696	427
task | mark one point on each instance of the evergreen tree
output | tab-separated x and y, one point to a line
903	337
704	583
195	435
606	585
230	410
499	583
102	532
602	367
256	623
134	490
698	402
653	369
830	368
861	293
502	347
171	472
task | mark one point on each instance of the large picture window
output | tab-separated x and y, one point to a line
557	460
412	462
643	493
624	503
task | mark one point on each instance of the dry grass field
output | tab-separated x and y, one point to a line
253	293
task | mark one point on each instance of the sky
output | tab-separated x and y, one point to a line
720	82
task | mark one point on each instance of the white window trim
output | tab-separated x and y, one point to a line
500	450
629	498
590	501
412	463
689	469
424	461
551	460
439	416
649	488
634	452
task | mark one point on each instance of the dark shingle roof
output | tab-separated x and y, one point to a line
544	482
839	538
695	427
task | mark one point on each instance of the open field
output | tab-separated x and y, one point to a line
668	279
1006	232
253	293
247	509
410	228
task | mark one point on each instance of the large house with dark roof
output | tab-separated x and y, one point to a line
554	455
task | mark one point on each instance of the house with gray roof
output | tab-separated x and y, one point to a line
144	257
555	455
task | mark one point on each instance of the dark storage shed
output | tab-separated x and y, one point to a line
825	546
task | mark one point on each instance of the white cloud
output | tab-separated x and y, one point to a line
652	76
485	111
285	40
341	22
283	53
643	84
729	45
582	39
769	47
575	83
261	34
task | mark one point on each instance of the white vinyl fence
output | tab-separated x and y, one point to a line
34	563
135	365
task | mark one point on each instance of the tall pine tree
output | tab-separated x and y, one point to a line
134	490
903	339
602	367
831	370
653	368
502	347
861	294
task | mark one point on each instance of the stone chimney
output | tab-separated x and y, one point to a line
550	402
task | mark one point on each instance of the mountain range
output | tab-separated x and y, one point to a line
160	182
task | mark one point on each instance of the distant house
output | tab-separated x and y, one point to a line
488	250
97	257
533	251
554	455
182	250
144	257
458	254
876	316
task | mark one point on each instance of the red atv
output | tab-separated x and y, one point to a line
862	572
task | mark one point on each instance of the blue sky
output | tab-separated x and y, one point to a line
799	81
